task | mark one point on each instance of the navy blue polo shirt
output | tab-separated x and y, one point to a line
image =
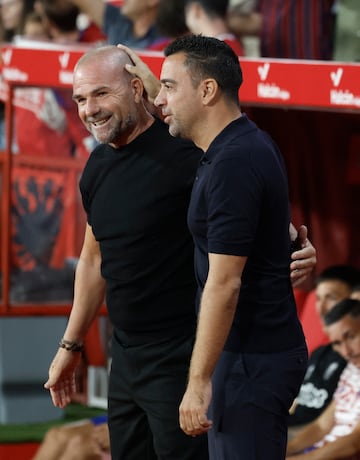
240	206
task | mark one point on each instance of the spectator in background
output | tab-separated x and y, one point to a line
325	365
34	28
332	285
335	434
209	18
85	440
13	15
60	17
347	31
294	29
133	24
170	22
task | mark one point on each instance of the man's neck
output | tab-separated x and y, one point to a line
213	125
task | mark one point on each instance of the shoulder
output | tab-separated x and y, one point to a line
326	354
159	133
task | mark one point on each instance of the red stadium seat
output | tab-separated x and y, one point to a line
311	323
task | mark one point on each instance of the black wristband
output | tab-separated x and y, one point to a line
71	346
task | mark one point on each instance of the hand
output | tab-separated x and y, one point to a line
304	258
194	407
140	69
61	382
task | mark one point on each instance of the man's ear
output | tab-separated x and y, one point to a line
138	89
210	90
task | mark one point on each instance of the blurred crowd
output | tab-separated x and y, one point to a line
294	29
302	29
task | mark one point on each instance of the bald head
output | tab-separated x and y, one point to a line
107	58
109	99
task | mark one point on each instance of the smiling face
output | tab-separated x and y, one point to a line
107	99
180	102
344	336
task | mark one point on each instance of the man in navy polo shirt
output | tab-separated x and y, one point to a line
250	356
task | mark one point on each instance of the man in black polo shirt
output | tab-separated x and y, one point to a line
250	356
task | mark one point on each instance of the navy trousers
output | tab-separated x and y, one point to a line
252	394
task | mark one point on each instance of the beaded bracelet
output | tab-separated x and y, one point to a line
68	345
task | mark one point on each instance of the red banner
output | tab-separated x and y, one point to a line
292	83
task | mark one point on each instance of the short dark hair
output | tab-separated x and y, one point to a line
62	14
345	273
209	57
214	8
170	19
344	307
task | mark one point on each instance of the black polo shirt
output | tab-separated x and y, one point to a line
240	206
136	198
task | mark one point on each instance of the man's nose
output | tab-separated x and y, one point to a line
346	351
159	100
91	107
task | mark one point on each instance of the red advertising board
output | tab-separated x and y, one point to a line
308	84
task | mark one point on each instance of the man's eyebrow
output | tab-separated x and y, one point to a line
167	80
344	336
94	91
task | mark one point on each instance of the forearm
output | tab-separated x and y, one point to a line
343	447
89	291
307	437
218	305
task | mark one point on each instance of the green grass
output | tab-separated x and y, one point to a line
33	432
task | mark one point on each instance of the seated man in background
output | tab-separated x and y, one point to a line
209	18
325	365
87	440
332	285
335	434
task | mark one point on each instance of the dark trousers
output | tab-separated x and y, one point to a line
252	394
147	383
